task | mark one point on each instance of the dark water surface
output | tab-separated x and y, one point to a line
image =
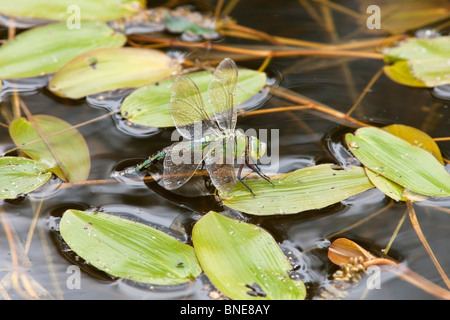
305	139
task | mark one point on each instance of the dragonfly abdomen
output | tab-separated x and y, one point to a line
154	158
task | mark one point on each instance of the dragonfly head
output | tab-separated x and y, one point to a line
257	148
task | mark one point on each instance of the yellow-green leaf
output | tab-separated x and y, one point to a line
63	10
149	106
19	176
44	50
403	15
417	138
396	159
388	187
66	153
309	188
127	249
401	73
415	61
111	68
243	261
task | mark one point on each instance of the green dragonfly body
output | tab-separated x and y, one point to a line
211	137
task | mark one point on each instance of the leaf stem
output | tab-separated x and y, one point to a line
261	53
364	92
394	235
416	226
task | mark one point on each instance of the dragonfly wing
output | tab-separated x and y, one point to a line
180	163
221	92
188	110
219	163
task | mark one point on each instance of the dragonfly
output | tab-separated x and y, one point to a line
210	139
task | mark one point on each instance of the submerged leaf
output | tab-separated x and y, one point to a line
304	189
19	176
396	159
63	10
242	260
180	24
66	153
128	249
417	61
44	50
111	68
149	106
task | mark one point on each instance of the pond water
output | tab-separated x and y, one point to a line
304	139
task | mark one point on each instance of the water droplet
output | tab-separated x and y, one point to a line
427	34
442	92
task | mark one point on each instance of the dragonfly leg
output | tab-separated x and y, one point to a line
242	181
255	168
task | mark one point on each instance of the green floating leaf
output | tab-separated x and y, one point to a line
243	261
66	153
388	187
111	68
100	10
149	106
128	249
420	62
401	73
396	159
44	50
304	189
20	175
417	138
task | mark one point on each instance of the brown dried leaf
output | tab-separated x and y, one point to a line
342	249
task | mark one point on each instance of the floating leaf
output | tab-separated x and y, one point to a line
242	260
417	138
403	15
44	50
342	250
20	175
100	10
149	106
128	249
304	189
111	68
401	73
66	154
427	62
394	158
388	187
